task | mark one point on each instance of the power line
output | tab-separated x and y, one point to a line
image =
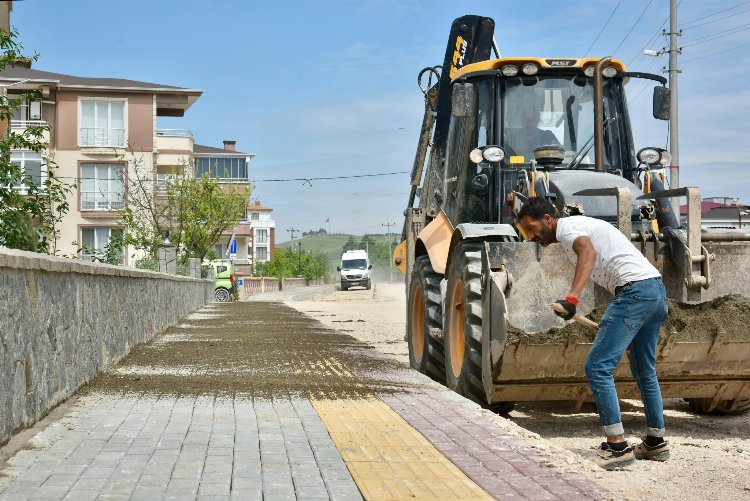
603	27
715	13
715	53
715	20
305	179
632	27
653	37
716	36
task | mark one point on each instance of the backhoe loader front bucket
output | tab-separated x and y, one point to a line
701	355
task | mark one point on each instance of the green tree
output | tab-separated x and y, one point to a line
31	208
190	212
287	263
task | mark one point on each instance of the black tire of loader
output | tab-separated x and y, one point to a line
425	279
701	406
466	266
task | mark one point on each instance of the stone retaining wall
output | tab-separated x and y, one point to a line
62	321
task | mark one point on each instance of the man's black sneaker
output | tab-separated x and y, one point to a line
610	459
658	452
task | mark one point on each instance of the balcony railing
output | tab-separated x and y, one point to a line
102	137
174	132
102	200
22	124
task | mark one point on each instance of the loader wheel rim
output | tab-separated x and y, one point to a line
456	329
417	325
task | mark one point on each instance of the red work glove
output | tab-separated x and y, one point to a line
569	303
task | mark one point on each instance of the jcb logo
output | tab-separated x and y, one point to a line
458	55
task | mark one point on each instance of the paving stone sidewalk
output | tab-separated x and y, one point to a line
144	440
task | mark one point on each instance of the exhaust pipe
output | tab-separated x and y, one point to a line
599	114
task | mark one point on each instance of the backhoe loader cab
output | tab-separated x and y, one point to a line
497	131
527	104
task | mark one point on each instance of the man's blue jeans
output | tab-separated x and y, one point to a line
632	319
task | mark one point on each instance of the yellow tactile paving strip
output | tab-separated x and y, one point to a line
389	459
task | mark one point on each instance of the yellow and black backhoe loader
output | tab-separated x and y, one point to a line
498	131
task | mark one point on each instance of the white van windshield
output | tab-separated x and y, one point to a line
354	264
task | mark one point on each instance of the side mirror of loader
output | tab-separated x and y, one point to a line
662	97
463	100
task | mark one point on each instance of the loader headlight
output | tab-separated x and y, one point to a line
493	153
654	157
608	72
509	70
486	154
529	69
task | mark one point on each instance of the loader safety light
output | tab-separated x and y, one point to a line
530	69
493	154
476	155
486	154
509	70
609	71
654	156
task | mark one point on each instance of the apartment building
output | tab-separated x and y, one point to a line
100	129
252	240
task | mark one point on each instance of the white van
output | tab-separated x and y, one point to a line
355	269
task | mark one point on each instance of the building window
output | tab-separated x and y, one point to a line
254	216
26	111
231	169
31	168
103	123
220	251
94	242
261	236
102	187
261	254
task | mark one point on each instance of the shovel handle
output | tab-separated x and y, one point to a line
578	318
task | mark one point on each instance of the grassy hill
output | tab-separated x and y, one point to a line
331	245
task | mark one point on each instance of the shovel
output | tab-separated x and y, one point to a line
577	318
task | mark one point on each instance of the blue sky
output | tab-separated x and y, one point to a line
328	87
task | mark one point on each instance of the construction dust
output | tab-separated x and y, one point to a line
692	322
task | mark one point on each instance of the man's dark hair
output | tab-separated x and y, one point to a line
536	208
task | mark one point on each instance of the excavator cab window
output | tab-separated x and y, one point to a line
557	110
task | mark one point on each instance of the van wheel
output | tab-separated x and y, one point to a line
221	295
344	287
369	285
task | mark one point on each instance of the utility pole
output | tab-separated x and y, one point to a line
674	146
390	251
292	231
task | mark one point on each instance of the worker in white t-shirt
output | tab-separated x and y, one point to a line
633	319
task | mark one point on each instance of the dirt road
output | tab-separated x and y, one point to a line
710	455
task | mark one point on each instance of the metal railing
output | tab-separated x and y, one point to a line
102	200
22	124
102	137
174	132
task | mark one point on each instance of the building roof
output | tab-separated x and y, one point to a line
256	206
171	100
200	149
724	213
705	207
